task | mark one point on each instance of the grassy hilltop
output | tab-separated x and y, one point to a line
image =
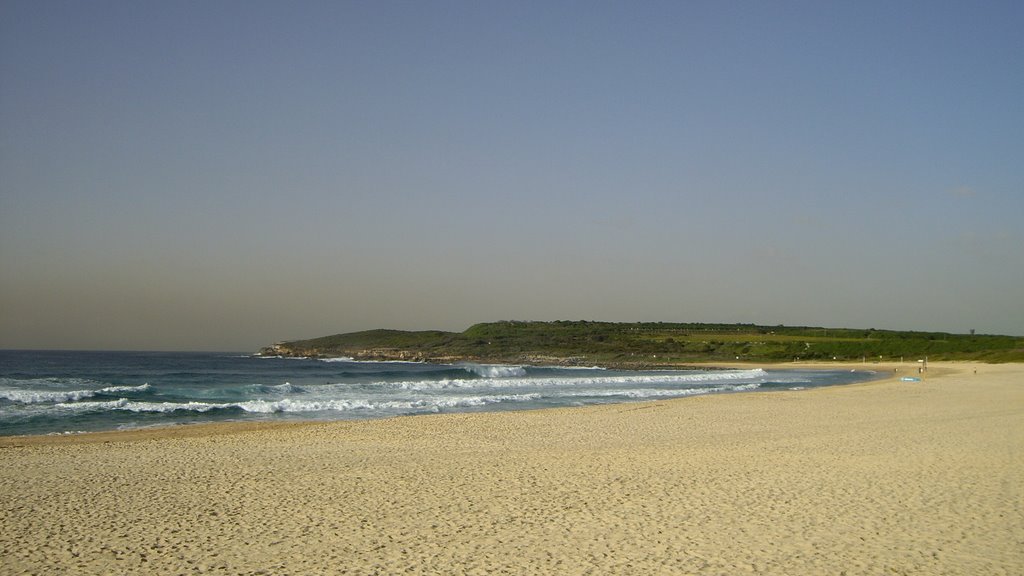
653	343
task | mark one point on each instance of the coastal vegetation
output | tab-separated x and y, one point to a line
652	344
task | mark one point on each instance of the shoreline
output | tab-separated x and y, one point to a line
232	426
879	477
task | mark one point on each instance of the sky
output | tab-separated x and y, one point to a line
223	175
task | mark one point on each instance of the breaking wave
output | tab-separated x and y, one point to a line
494	370
51	396
551	382
298	406
52	392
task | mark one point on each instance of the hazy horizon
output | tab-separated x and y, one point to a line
221	176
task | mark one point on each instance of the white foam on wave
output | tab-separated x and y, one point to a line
640	393
639	379
494	370
120	389
45	396
430	404
135	406
298	406
338	359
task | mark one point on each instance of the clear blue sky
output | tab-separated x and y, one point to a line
221	175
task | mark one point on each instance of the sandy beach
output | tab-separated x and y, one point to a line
888	477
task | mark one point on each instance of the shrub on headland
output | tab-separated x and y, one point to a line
655	343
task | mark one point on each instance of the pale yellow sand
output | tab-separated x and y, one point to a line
883	478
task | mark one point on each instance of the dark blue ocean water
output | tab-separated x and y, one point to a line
68	392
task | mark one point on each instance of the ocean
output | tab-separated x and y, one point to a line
50	392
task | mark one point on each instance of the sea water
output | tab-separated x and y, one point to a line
70	392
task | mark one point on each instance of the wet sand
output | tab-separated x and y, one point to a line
886	477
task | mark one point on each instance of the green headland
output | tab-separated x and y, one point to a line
653	344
